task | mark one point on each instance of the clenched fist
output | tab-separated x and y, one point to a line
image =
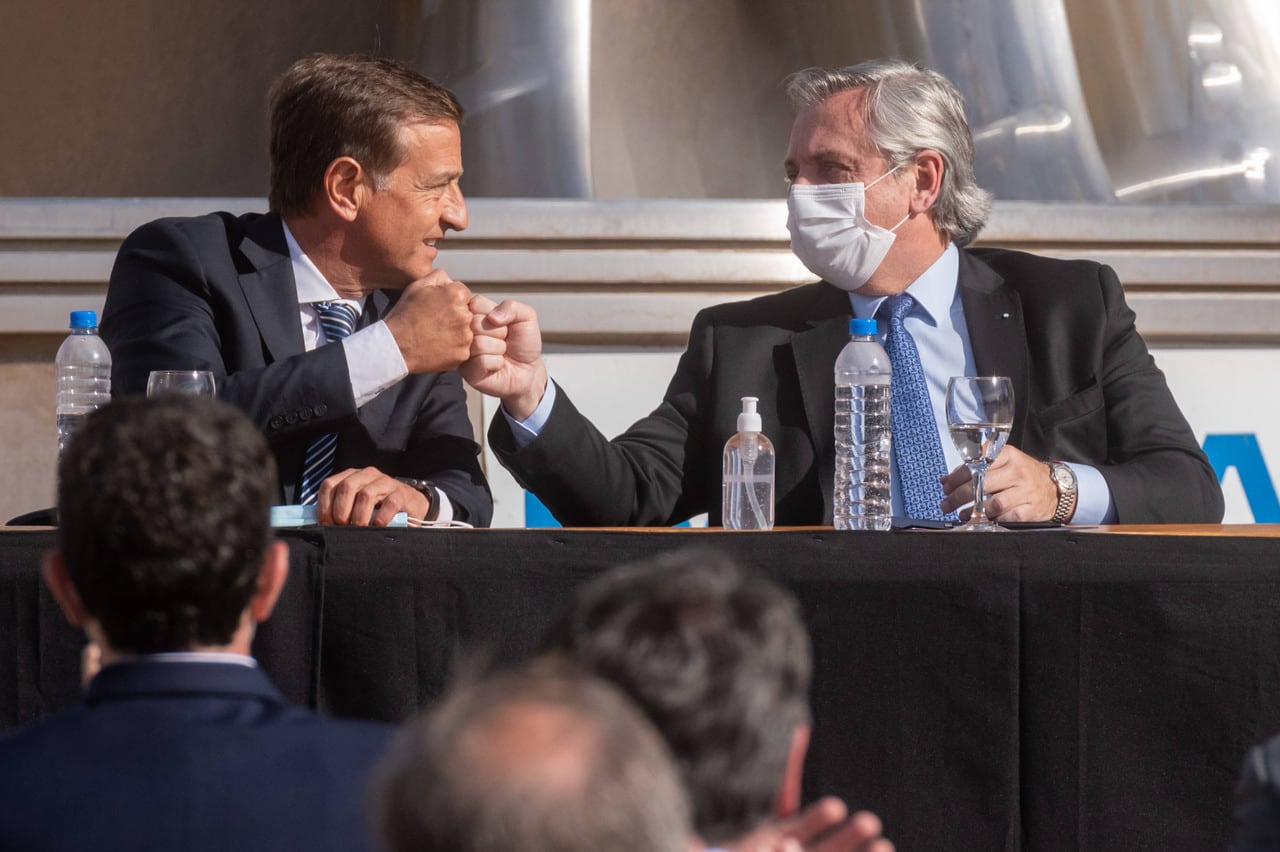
431	323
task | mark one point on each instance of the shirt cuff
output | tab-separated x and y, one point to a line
1093	497
524	431
445	511
374	362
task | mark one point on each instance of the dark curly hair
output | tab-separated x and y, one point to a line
163	509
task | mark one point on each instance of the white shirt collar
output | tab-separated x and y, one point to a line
198	657
310	282
934	291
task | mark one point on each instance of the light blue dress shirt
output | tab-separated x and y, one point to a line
937	325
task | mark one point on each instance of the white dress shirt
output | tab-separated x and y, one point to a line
374	362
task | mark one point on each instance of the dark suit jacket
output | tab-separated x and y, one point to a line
1257	812
193	756
1085	386
217	293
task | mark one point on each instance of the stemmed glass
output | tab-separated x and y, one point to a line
194	382
979	415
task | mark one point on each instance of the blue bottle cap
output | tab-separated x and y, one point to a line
84	319
858	325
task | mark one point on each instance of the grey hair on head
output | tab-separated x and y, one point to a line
908	109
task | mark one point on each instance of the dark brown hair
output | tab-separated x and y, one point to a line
325	107
163	509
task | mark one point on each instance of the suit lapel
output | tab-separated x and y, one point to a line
997	333
269	287
815	350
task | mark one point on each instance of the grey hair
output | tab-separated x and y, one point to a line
908	109
592	775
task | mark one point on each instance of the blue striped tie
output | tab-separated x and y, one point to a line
917	450
338	321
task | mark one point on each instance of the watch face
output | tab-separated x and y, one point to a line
1062	475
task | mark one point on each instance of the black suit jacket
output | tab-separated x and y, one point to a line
1257	811
1086	391
217	293
193	756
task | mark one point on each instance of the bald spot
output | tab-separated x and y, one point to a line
531	743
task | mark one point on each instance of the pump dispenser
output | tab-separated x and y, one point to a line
748	474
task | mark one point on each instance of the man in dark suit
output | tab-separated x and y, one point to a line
165	558
1257	804
365	162
882	203
719	661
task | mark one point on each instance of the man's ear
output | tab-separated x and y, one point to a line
929	167
345	183
788	802
54	569
272	574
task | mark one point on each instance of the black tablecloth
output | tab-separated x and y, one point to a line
1036	691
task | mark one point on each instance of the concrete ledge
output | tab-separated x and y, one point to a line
634	272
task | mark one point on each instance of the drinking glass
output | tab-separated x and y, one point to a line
195	382
979	415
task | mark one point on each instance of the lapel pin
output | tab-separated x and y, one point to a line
1005	315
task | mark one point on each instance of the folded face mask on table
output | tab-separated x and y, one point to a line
302	516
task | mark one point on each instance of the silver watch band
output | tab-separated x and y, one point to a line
1064	480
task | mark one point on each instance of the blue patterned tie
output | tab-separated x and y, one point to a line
917	451
338	321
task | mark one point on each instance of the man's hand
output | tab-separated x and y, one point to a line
1018	488
367	497
90	662
431	323
506	355
825	826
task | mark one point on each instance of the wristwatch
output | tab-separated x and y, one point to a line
1065	479
427	488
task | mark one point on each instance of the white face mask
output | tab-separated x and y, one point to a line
831	235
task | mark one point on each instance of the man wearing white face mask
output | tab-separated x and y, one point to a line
881	207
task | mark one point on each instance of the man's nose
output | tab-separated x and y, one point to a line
454	215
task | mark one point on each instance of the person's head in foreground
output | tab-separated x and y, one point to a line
719	660
540	759
163	540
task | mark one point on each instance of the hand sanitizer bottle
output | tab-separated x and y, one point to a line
748	474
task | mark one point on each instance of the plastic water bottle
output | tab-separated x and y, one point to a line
863	500
748	474
84	375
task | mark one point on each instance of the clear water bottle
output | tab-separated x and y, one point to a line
863	500
748	474
84	375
